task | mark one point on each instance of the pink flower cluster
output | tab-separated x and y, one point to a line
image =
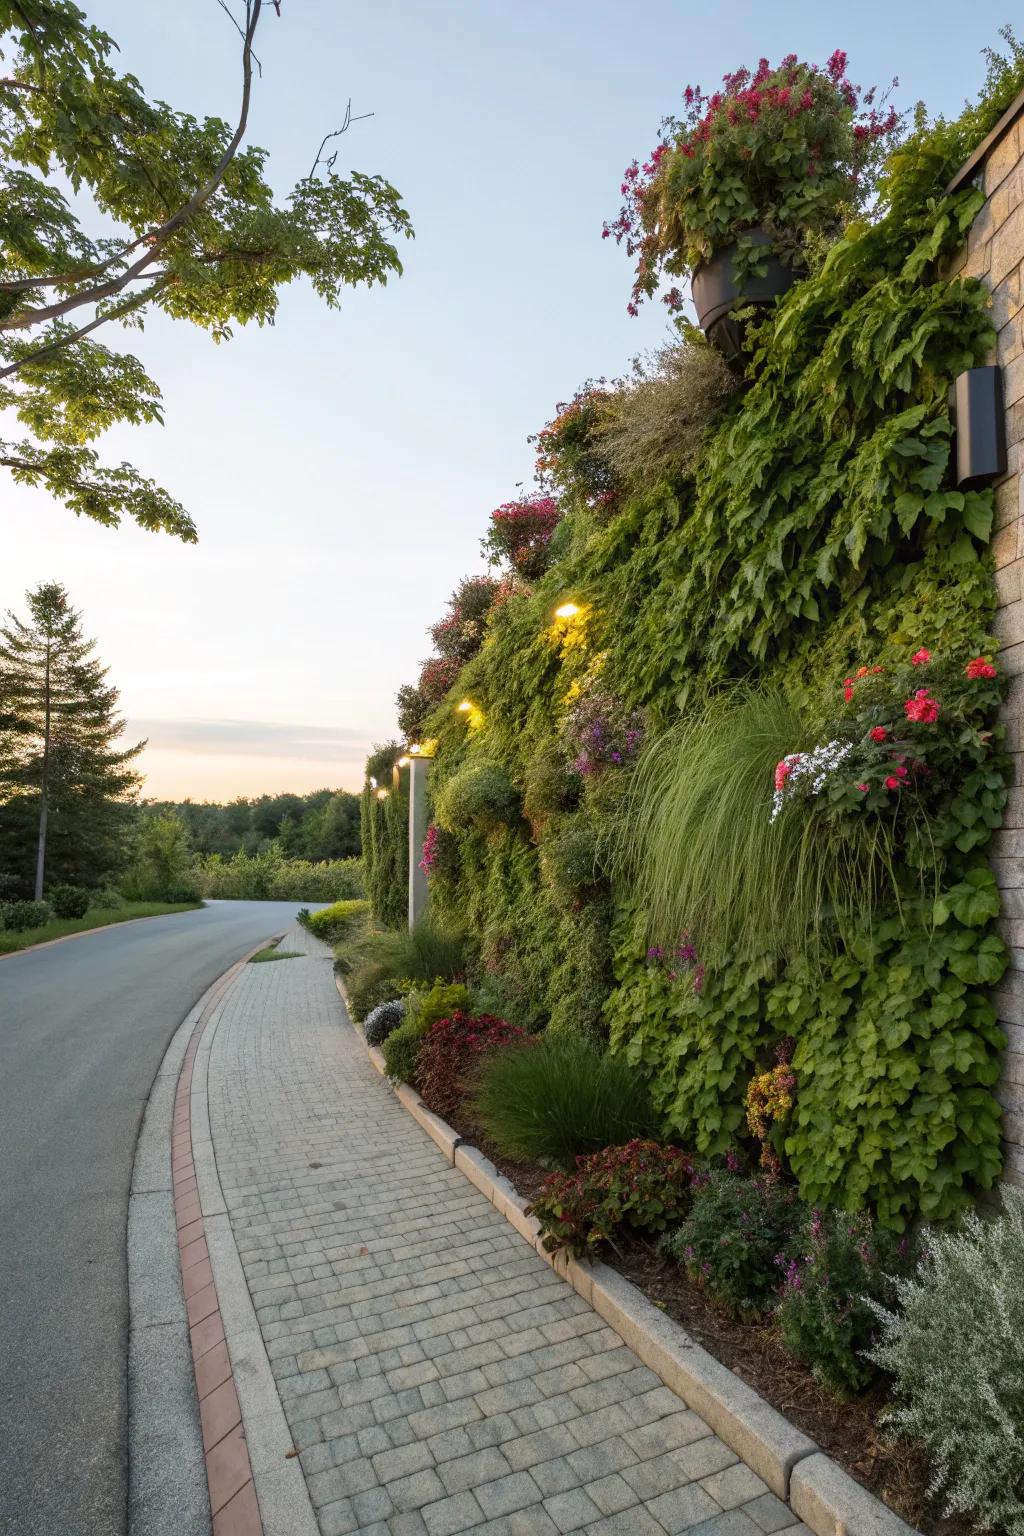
521	532
430	850
922	709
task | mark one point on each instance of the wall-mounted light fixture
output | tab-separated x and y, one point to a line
373	783
465	707
980	426
382	794
567	611
403	762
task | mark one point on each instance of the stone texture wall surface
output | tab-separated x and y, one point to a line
995	254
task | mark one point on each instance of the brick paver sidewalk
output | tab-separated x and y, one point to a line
436	1375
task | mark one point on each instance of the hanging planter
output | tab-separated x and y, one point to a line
793	148
721	286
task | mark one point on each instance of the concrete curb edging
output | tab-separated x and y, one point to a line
827	1499
280	1500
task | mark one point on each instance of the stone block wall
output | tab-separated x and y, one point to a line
995	254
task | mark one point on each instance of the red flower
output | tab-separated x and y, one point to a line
892	783
979	667
922	708
920	657
848	689
863	788
879	733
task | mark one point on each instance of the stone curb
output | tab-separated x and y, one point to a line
821	1494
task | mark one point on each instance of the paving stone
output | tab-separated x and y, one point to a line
508	1494
736	1485
437	1376
472	1470
571	1510
770	1513
682	1508
460	1512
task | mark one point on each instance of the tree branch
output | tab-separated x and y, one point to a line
336	134
157	239
125	308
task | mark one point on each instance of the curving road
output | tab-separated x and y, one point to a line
83	1028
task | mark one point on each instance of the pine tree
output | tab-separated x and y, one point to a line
65	787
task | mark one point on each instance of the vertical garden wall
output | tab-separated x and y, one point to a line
717	755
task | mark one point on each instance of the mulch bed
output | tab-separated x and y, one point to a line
847	1430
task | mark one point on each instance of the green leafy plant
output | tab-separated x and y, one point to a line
423	1010
954	1348
562	1098
825	1312
642	1186
480	794
68	900
368	984
738	1238
21	915
334	922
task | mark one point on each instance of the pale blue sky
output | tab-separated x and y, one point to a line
341	465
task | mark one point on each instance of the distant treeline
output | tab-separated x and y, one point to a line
318	826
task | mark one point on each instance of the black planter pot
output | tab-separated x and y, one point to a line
716	292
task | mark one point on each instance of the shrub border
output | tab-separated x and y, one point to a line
819	1492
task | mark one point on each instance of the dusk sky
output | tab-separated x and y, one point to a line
341	466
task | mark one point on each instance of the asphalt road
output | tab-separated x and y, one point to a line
83	1028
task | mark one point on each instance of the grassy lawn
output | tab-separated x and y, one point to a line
273	953
101	917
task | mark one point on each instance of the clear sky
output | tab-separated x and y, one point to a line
341	465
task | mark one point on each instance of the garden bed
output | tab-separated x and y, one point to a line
846	1429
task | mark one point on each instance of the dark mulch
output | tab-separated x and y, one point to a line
847	1430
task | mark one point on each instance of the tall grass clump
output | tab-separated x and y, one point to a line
428	952
559	1098
704	857
652	427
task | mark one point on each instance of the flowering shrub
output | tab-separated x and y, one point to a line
569	457
739	1233
437	676
679	963
769	1101
824	1314
430	849
600	732
451	1050
520	533
791	148
903	746
460	634
642	1185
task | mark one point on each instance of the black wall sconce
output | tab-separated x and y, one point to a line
980	426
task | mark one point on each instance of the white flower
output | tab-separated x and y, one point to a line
810	771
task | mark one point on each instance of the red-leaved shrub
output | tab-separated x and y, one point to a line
451	1050
642	1185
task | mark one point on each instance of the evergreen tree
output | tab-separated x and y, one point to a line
65	786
